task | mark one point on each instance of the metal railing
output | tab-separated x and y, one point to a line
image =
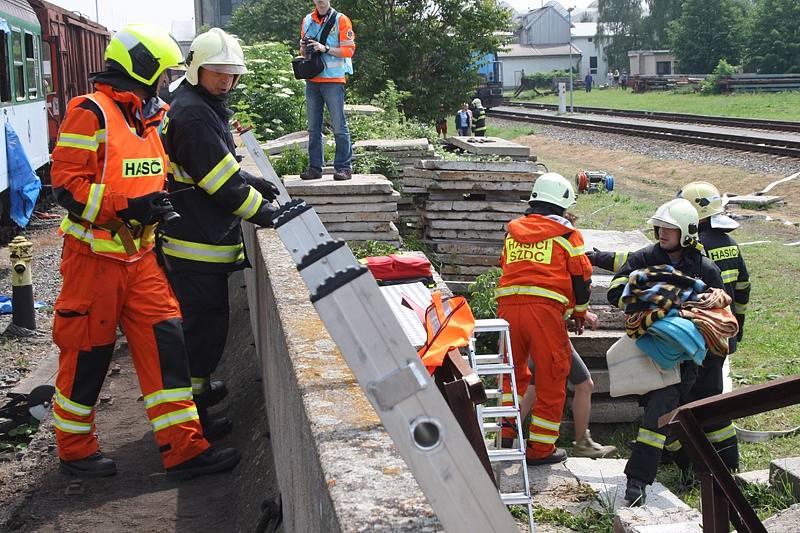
719	493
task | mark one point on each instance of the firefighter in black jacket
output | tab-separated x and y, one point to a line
675	225
723	250
212	195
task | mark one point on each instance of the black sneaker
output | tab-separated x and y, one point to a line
635	492
93	466
217	391
209	462
343	174
558	456
214	428
311	174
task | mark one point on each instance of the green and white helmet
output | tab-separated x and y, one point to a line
553	188
143	52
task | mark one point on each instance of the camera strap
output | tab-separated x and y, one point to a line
327	26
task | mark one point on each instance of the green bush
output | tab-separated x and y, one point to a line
711	84
268	96
481	294
392	123
292	161
376	163
372	249
544	80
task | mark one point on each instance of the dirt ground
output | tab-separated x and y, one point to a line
140	497
647	178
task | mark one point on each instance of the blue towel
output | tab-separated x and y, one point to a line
671	340
6	309
23	181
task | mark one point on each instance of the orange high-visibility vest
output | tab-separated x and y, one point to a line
133	166
449	324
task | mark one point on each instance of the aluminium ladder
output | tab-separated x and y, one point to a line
498	365
386	366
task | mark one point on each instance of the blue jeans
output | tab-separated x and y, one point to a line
332	95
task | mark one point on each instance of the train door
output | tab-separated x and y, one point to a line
5	98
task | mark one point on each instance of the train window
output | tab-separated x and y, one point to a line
19	64
5	73
32	64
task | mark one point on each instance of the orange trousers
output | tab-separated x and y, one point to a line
538	331
98	294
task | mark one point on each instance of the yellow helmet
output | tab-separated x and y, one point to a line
143	52
704	197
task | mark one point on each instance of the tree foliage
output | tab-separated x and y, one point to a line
620	29
269	20
774	44
660	14
708	30
427	47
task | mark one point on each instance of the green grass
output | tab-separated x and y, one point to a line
778	106
508	133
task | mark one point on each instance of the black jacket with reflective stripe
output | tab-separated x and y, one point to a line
205	184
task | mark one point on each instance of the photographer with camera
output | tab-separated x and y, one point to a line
212	195
108	172
329	34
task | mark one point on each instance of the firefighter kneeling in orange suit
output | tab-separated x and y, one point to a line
109	173
546	277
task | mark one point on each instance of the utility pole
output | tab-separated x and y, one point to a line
96	12
569	19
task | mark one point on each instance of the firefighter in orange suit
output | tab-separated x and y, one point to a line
546	277
109	172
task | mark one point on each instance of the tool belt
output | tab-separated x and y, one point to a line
127	234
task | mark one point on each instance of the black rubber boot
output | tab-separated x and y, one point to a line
211	461
558	456
93	466
635	492
217	391
311	174
215	428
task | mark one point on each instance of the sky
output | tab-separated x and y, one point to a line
524	5
114	14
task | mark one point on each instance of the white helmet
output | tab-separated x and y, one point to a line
214	50
705	198
554	189
678	214
477	103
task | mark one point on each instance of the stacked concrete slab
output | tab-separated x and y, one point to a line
491	146
405	152
361	209
464	207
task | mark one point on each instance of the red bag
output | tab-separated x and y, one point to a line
392	267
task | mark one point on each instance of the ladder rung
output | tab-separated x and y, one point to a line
488	358
515	498
491	427
505	455
500	410
494	393
488	370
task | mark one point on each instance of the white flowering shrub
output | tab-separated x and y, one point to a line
268	97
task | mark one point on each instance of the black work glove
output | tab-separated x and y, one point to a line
592	255
267	189
146	209
263	217
740	320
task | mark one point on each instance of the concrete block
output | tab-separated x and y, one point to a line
614	241
754	477
464	175
651	520
468	260
298	139
786	470
474	271
366	199
362	216
785	521
373	207
602	385
484	216
609	317
360	184
759	201
490	146
337	468
465	234
607	477
392	145
615	410
516	207
600	283
466	186
466	224
372	227
479	166
595	343
474	247
361	109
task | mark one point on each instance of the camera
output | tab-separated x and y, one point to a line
168	215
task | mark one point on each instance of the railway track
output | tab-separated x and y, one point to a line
786	147
732	122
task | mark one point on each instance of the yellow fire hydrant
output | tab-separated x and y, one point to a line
22	285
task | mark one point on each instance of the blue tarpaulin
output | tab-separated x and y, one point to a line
6	305
23	182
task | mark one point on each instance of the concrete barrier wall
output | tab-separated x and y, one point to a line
337	469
